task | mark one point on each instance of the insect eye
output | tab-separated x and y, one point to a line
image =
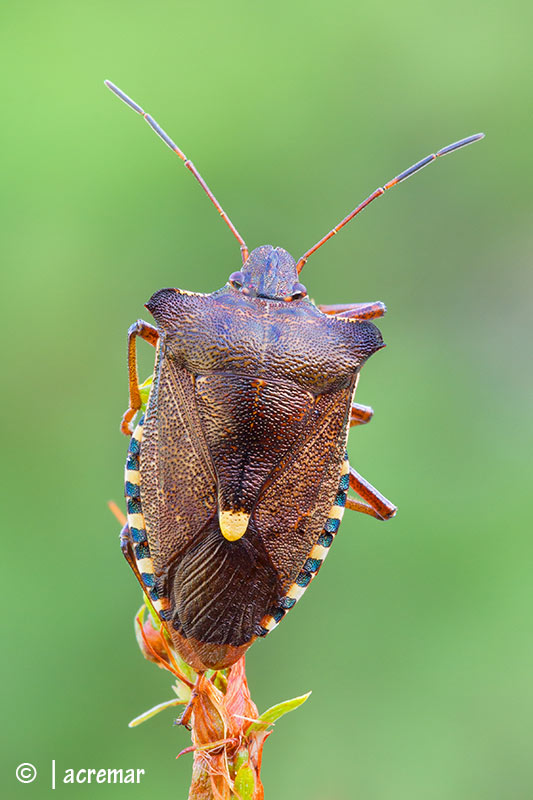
298	292
236	279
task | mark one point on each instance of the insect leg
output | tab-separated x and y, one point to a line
149	334
117	513
359	415
126	541
126	545
197	690
185	718
355	505
375	503
355	310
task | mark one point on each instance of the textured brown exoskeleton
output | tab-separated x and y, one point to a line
237	475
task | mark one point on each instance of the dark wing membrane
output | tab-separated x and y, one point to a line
221	590
178	484
296	500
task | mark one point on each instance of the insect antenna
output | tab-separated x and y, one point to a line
382	189
190	166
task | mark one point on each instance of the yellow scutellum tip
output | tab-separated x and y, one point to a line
233	524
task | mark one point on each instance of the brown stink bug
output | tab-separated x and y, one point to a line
237	475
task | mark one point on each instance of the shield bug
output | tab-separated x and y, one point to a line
237	476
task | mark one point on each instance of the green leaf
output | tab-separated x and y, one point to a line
244	783
271	715
241	758
182	692
153	711
137	624
144	391
184	667
219	678
156	622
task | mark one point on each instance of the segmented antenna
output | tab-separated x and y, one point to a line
190	166
382	189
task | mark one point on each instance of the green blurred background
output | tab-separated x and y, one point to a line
416	640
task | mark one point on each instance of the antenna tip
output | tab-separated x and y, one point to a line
111	86
124	97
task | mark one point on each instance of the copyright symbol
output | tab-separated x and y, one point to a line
26	773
